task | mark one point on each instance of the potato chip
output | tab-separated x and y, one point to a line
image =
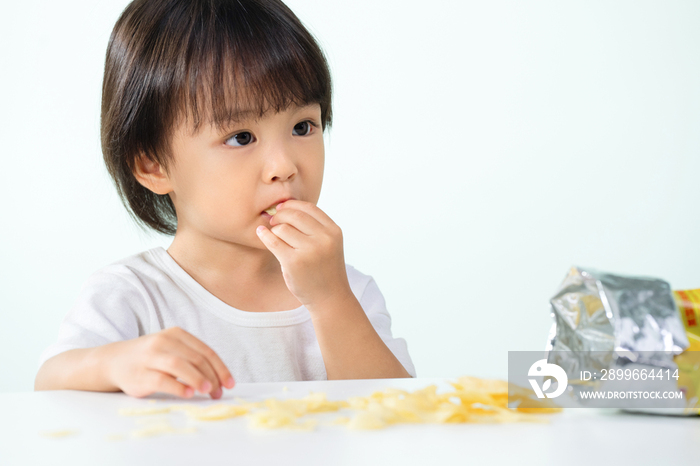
473	400
216	412
144	411
59	433
366	421
159	428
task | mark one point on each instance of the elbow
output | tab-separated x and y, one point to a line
45	376
39	383
43	380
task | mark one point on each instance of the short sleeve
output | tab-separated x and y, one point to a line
110	307
372	301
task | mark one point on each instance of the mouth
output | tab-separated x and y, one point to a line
272	210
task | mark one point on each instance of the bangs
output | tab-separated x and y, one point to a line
240	64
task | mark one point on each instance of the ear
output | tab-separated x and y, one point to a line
151	175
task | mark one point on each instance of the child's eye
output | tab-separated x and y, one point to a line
303	128
240	139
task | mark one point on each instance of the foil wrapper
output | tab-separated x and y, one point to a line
606	321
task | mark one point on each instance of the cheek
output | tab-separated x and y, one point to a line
225	214
219	196
315	166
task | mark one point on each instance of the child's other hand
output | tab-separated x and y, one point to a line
152	363
309	246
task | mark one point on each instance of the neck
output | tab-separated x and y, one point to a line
211	259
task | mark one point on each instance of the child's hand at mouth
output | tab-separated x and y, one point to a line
309	246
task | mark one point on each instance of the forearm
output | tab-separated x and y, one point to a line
78	369
350	346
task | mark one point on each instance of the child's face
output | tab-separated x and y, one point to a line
223	181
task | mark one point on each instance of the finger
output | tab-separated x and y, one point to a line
179	366
164	383
309	208
272	242
218	366
201	364
290	235
301	220
215	395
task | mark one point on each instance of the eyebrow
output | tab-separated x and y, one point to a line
241	115
234	118
247	113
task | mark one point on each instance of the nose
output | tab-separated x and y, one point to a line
280	164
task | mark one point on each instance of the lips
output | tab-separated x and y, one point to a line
272	210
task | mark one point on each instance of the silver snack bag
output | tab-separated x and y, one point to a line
605	322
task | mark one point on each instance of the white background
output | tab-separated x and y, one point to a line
479	149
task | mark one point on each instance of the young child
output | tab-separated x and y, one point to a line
213	114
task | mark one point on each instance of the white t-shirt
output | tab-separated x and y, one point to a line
149	292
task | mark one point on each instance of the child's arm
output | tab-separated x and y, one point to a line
309	246
139	367
351	347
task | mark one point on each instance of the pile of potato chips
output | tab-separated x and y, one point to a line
473	400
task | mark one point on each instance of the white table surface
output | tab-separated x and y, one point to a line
576	436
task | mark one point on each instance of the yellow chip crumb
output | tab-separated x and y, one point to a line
339	421
59	433
144	411
307	424
216	412
159	429
366	421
